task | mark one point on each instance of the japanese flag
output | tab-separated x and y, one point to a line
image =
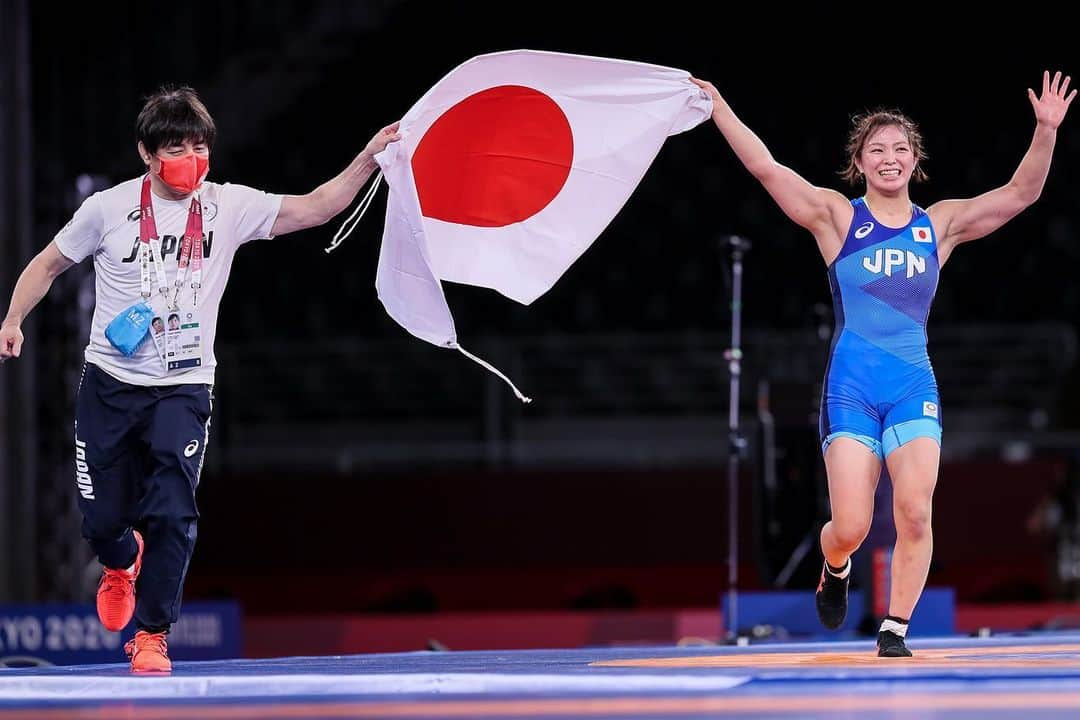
510	167
921	234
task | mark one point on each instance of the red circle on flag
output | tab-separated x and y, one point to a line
496	158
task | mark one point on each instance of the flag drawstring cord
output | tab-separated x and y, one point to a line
493	369
347	228
357	215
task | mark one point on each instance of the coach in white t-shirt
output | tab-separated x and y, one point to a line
163	245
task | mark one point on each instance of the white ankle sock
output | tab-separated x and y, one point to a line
843	573
896	628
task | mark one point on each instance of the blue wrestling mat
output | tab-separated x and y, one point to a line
1031	676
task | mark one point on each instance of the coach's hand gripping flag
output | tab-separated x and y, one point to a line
509	168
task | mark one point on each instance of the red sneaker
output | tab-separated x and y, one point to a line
116	593
148	652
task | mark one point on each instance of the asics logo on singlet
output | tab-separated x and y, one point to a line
82	471
192	448
865	229
888	260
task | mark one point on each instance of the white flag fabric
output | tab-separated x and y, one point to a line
510	167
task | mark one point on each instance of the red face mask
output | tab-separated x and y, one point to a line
184	174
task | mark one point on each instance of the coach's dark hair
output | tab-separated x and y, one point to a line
172	115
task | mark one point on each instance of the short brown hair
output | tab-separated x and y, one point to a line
865	125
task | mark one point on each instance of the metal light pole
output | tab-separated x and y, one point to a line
736	442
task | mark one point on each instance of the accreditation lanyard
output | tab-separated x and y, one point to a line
149	247
191	250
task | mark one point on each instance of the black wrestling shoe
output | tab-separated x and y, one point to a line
889	644
831	598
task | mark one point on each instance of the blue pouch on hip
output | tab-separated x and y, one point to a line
129	329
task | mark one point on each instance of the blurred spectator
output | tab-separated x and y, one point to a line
1057	517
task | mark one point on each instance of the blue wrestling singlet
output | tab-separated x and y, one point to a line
879	385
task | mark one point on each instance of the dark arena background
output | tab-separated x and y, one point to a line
387	532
